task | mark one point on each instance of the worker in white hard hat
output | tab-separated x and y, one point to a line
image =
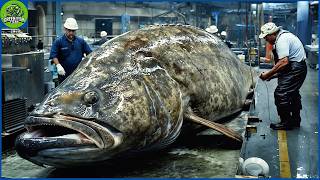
212	29
68	50
103	34
223	33
104	38
223	36
290	69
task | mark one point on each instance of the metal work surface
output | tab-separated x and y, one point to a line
14	82
34	64
302	144
206	155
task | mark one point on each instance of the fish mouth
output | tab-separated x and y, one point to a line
65	132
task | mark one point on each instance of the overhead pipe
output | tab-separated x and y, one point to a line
175	12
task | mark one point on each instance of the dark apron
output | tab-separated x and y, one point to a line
290	79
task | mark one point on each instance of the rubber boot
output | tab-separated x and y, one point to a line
285	117
272	125
295	110
296	118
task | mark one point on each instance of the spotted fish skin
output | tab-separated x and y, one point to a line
130	95
205	69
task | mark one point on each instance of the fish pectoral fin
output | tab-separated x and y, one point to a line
216	126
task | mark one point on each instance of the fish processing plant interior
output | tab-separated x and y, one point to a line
245	146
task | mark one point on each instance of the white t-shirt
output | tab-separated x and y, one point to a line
289	45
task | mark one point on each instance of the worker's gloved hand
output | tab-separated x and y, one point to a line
60	70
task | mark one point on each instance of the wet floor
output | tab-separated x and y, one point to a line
302	143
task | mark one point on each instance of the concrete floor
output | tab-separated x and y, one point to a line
302	143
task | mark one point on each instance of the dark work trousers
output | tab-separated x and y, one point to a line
286	95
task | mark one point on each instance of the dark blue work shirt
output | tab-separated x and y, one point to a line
69	53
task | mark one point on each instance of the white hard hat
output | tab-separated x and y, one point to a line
223	33
212	29
268	28
255	166
103	33
71	24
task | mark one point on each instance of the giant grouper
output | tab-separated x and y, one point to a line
134	94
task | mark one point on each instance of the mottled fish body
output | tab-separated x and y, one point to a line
131	95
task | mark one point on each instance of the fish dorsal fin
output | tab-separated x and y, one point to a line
190	116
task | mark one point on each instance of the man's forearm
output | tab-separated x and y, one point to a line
55	61
278	67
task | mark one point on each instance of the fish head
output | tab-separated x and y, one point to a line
107	107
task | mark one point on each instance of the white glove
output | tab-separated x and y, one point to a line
60	70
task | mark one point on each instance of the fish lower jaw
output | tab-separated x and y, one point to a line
64	140
59	151
66	156
73	131
57	136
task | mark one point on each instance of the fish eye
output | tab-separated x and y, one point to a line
90	97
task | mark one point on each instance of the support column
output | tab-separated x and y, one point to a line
58	18
49	22
125	22
303	22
